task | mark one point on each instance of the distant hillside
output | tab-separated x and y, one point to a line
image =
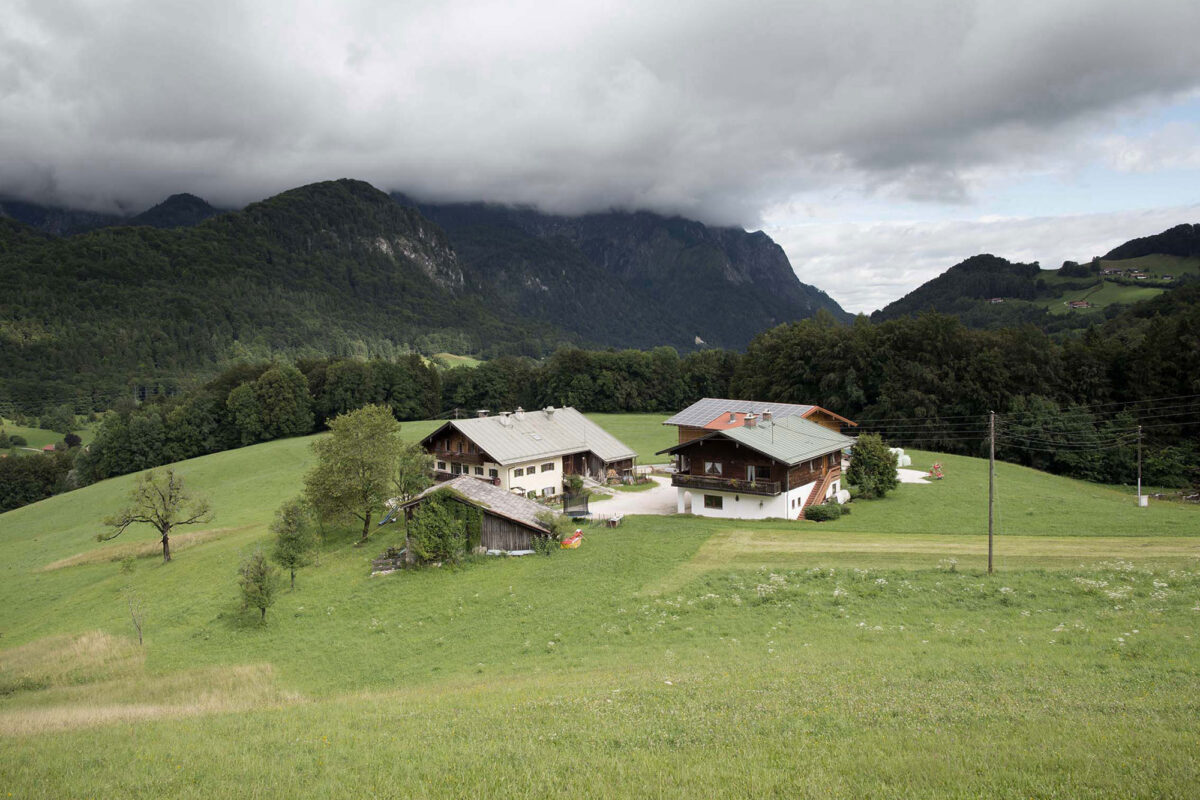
629	279
331	268
1182	240
986	291
54	220
177	211
340	268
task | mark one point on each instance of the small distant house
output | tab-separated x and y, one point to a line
509	521
1079	304
752	460
48	448
1139	276
528	452
1168	277
996	300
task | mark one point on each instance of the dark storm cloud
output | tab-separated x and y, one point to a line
715	110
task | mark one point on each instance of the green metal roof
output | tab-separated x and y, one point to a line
790	440
546	433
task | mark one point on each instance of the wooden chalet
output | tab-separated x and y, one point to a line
528	452
753	460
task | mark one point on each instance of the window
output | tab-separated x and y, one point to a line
712	468
548	491
755	472
531	495
442	466
455	469
518	472
714	501
479	470
458	445
493	473
548	467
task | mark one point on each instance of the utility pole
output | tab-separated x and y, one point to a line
1139	499
991	480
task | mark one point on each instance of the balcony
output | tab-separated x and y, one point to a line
461	458
715	484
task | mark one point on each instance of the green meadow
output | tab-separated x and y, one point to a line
672	657
39	437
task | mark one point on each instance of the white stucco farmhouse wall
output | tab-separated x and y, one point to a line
734	505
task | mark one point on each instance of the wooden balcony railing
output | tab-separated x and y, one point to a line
461	458
713	483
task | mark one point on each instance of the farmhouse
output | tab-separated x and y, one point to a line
509	522
528	452
752	460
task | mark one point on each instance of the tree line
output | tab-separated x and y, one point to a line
1067	404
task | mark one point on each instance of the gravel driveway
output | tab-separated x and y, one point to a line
659	500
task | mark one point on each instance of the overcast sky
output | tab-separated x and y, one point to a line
878	143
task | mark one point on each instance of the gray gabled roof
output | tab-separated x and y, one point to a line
514	507
790	440
704	411
540	434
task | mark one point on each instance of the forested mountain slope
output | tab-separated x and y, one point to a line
331	268
657	280
340	268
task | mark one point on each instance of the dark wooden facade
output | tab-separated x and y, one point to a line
746	471
499	533
814	469
825	419
733	458
451	445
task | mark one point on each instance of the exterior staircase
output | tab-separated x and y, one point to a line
817	495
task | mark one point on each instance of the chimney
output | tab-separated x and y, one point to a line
767	416
751	421
732	417
481	413
519	414
549	412
504	420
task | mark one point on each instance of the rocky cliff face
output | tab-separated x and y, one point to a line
630	279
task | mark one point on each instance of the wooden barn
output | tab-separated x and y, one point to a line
509	520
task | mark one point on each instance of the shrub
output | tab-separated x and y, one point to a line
442	528
17	440
823	513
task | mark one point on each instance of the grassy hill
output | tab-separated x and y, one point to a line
1042	297
40	437
672	657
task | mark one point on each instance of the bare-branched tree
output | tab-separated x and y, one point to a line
159	499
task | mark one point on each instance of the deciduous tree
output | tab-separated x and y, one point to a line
161	500
356	466
259	580
872	467
295	538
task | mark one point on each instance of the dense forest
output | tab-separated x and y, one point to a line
1071	407
330	269
149	304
